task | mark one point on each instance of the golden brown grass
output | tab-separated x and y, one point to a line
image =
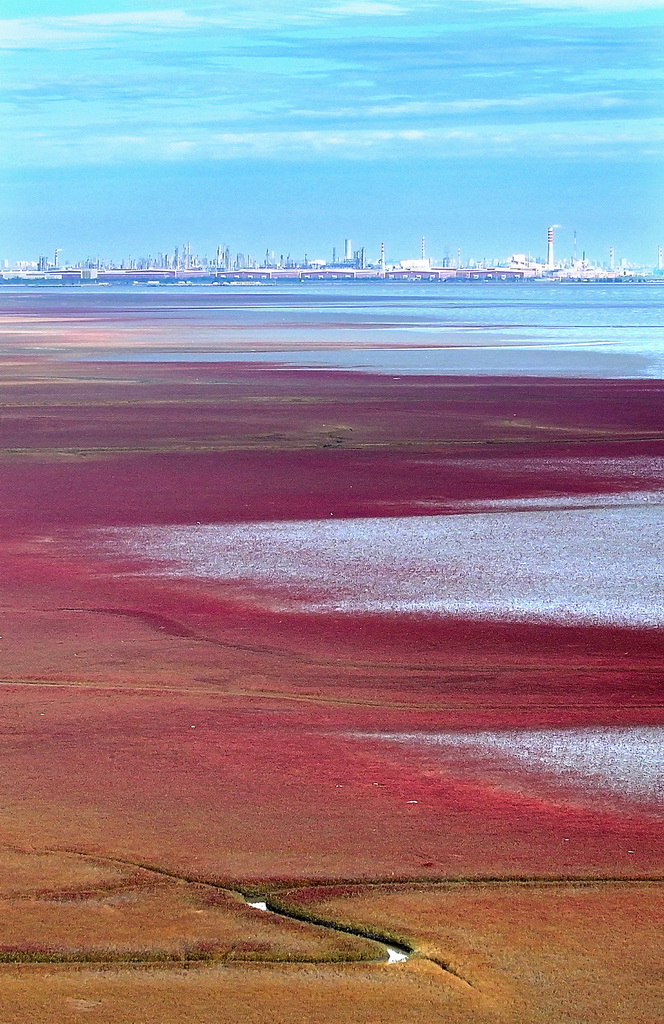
86	936
534	952
64	908
26	872
247	994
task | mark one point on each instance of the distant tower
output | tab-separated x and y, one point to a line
348	249
424	248
382	257
660	258
334	254
459	258
550	264
612	258
56	259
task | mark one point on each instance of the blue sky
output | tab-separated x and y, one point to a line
129	127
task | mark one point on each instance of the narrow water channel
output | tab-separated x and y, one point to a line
395	954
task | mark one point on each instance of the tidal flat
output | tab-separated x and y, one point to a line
383	650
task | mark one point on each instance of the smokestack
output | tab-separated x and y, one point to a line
549	249
612	258
382	257
348	249
424	248
660	258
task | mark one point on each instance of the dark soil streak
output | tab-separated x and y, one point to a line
458	674
309	698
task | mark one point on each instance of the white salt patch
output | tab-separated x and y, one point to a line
587	559
624	499
629	760
258	904
637	467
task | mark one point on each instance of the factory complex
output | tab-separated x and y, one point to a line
184	267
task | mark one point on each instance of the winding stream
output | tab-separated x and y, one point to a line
395	954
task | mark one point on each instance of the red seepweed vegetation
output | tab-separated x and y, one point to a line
181	725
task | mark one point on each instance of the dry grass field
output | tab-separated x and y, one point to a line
485	954
302	994
64	908
557	952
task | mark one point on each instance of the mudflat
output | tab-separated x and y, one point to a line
182	733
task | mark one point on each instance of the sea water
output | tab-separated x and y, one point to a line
532	328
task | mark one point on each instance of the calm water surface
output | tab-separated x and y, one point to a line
467	328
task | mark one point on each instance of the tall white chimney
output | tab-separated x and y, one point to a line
550	264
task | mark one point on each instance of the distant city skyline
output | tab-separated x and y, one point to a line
134	122
346	261
187	256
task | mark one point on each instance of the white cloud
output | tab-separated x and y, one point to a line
428	108
85	29
75	31
368	8
590	5
150	20
563	138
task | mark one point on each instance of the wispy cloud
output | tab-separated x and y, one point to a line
591	5
382	104
433	108
76	30
368	9
485	140
416	76
86	29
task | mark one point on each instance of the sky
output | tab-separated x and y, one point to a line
131	127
